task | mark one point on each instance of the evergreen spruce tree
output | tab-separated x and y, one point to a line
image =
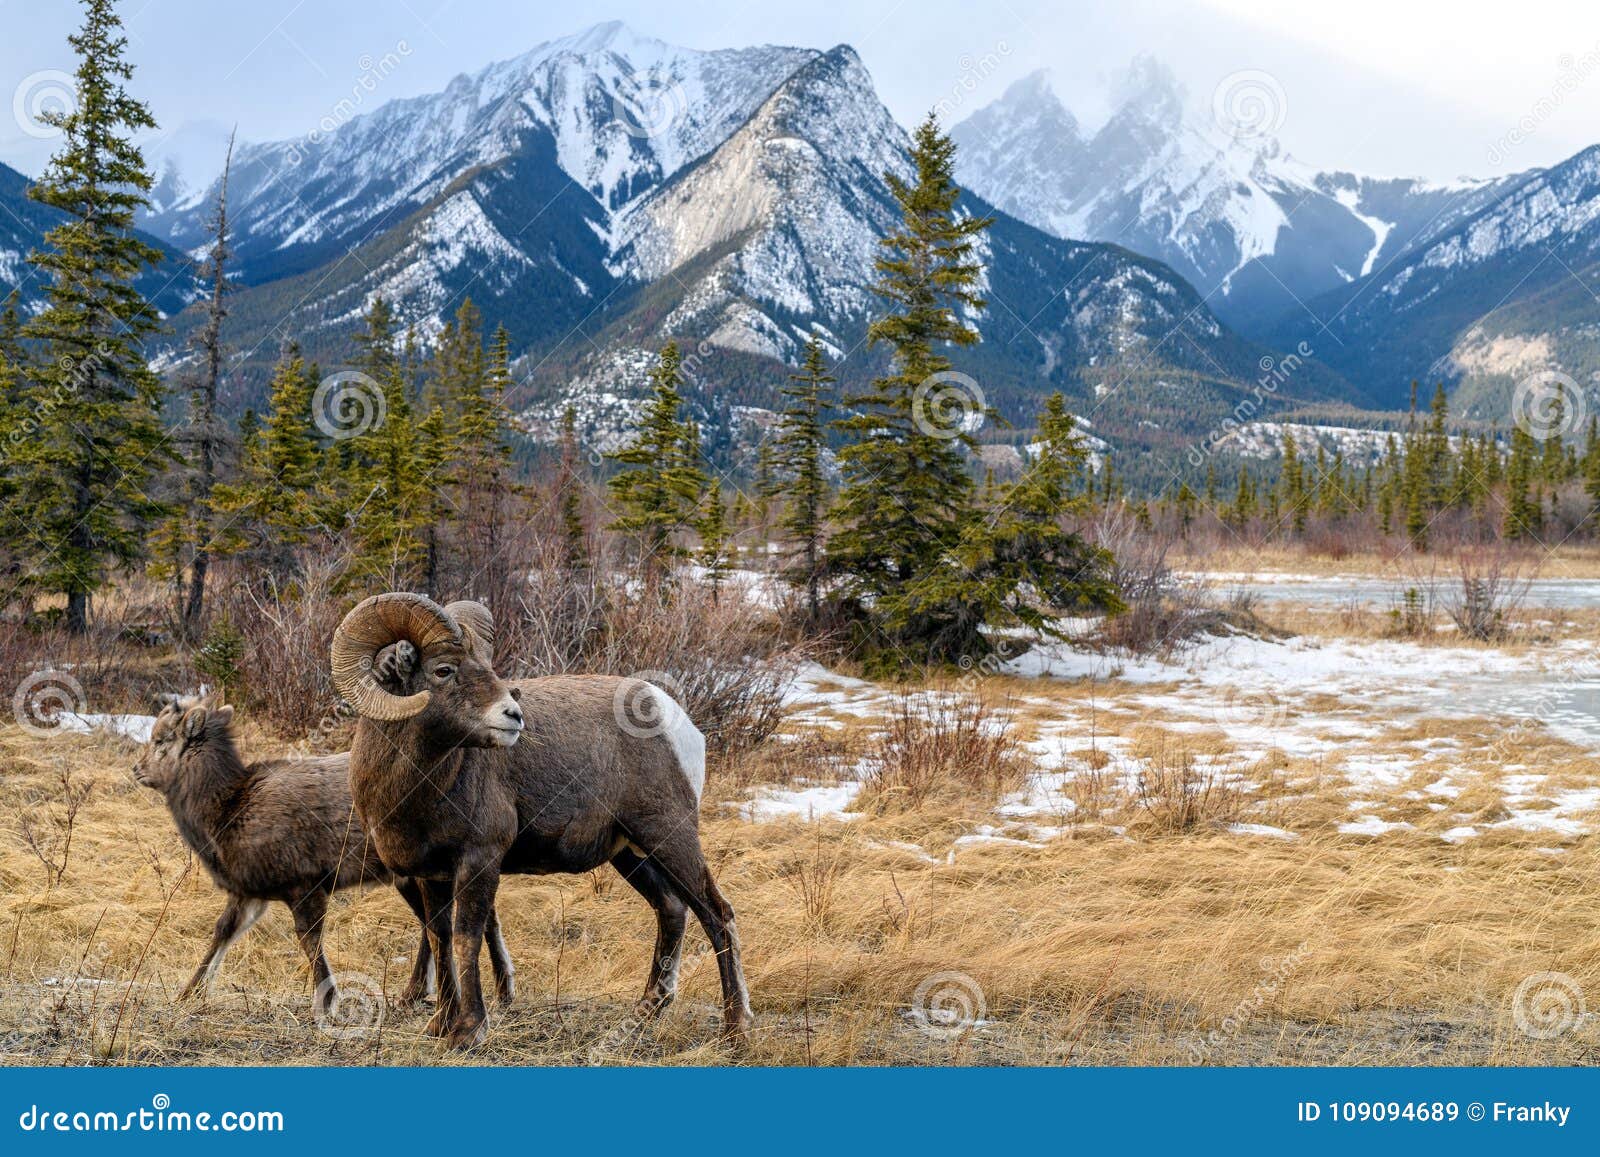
1524	516
907	499
799	477
277	498
84	472
713	555
659	491
1029	567
574	532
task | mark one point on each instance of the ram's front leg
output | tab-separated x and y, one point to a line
475	889
438	899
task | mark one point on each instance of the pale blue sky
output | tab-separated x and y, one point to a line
1383	86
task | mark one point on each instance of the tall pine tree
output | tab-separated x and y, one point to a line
84	473
907	498
659	491
799	477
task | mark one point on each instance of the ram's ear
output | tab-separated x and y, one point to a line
194	722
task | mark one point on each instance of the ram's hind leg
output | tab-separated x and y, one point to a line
682	864
671	920
505	972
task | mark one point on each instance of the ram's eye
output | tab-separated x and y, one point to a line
443	671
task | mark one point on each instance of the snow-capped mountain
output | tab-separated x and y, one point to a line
23	225
1253	229
773	237
1502	292
606	192
613	112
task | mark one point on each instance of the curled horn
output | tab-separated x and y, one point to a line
373	625
474	618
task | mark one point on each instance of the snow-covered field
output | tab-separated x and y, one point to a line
1398	731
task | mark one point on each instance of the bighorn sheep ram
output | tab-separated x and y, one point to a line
460	776
279	829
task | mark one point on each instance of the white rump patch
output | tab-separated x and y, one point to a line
688	745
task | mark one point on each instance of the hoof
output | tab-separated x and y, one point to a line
650	1007
736	1033
409	1001
439	1023
468	1036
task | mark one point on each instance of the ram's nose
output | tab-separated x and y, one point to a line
505	721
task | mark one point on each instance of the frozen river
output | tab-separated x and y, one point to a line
1335	591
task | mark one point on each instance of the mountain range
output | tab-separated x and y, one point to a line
604	192
1388	280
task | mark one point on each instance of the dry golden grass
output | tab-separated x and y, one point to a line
1567	560
1098	946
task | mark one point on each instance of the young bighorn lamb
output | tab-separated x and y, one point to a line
460	777
278	829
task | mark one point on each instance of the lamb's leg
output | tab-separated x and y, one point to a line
505	973
683	864
671	920
438	897
420	986
309	910
237	918
475	889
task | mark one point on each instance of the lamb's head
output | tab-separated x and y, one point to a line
402	656
184	730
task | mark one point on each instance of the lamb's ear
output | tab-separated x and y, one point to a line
194	722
